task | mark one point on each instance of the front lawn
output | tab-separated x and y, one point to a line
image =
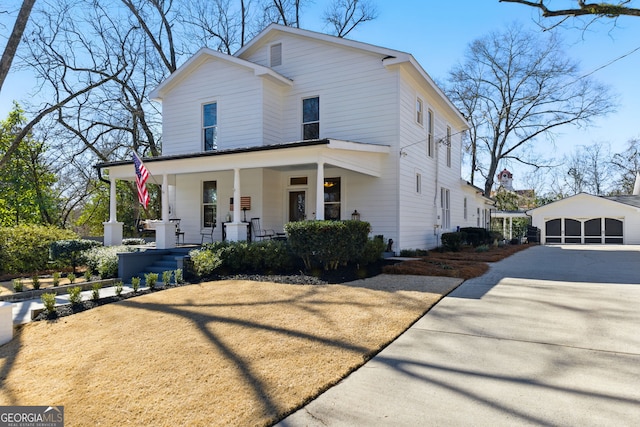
217	353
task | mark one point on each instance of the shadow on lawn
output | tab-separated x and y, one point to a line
305	302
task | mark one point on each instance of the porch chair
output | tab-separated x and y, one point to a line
258	233
207	232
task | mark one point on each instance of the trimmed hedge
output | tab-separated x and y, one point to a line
25	248
268	256
328	243
69	252
476	236
104	259
453	241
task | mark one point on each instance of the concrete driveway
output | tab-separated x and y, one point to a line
549	336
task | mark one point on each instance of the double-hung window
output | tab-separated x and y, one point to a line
430	147
311	118
332	198
445	203
210	126
419	111
209	203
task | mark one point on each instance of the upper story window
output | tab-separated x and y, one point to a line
418	183
419	111
210	126
275	55
448	146
311	118
430	133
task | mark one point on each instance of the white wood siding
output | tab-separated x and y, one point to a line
355	90
238	94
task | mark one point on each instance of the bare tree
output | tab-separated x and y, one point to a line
582	8
516	88
14	39
627	165
345	15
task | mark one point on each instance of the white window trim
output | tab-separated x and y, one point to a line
203	127
465	209
445	203
271	56
302	122
419	111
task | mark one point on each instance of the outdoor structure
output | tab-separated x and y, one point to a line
302	125
587	219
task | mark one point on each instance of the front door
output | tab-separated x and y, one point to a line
297	202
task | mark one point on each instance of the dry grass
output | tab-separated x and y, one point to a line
466	264
218	353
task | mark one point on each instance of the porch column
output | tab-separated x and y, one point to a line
236	230
113	228
510	228
165	230
320	192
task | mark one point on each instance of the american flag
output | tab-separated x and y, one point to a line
142	174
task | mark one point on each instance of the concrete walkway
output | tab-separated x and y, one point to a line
22	309
549	336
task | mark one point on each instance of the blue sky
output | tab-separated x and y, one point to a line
438	32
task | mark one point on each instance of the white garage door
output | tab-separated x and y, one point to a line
593	230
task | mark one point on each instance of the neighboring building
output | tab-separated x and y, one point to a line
301	125
587	219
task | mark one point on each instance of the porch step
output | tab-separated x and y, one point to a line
166	263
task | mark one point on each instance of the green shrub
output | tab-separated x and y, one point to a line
269	256
205	261
56	279
87	275
25	248
452	241
49	301
104	259
70	252
372	252
166	277
133	241
35	282
75	296
95	291
119	286
328	243
476	236
17	285
151	279
482	248
413	253
178	276
135	283
71	277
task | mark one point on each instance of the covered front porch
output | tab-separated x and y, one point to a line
319	179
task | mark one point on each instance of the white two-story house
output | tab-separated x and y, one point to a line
301	125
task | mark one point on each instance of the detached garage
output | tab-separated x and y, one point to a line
587	219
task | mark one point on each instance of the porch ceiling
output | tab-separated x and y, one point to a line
359	157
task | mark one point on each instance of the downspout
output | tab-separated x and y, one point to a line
100	177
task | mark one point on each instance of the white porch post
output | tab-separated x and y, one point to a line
165	230
510	228
236	230
320	192
113	228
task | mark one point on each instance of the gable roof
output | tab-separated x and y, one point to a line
200	57
389	57
633	201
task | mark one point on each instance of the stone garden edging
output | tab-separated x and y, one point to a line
58	290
